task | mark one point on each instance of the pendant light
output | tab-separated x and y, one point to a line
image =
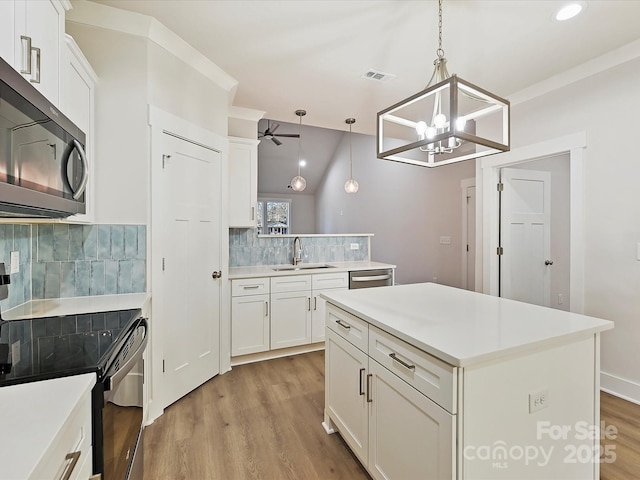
351	186
298	183
438	125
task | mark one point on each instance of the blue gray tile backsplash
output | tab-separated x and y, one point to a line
69	260
247	249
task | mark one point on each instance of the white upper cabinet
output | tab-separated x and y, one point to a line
243	182
36	31
77	95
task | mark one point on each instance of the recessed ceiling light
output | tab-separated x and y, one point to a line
303	163
568	11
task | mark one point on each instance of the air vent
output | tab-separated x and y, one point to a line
378	76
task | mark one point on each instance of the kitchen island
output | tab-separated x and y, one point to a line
429	381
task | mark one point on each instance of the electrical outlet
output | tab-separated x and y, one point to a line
355	246
538	400
15	352
15	262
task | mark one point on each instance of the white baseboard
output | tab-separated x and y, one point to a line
620	387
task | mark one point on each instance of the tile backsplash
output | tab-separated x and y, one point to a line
246	248
69	260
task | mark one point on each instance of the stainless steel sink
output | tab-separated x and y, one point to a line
300	267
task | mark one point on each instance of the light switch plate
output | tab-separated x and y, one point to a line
445	240
355	246
15	262
638	251
538	400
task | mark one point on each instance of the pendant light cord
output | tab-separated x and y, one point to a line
299	142
440	51
350	155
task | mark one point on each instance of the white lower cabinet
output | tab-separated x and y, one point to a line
395	430
290	319
250	316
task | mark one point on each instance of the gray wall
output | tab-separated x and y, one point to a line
406	207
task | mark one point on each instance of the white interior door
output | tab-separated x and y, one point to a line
525	222
471	238
191	182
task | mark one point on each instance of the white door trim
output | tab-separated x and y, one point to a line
464	185
164	122
488	174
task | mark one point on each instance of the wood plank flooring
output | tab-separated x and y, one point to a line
259	421
625	417
263	421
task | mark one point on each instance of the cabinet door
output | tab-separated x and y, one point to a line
243	183
43	22
249	324
290	319
318	314
410	437
7	31
345	394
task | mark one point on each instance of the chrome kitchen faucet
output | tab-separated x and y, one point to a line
297	258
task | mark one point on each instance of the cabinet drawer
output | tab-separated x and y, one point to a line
249	286
429	375
353	329
321	281
73	437
290	283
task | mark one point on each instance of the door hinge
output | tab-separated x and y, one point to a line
164	160
467	248
163	264
500	251
162	366
500	187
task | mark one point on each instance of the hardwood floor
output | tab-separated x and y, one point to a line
625	417
263	421
259	421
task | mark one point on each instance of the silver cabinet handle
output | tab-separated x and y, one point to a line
26	55
253	213
74	457
266	309
404	364
369	398
371	278
343	324
35	76
85	173
548	262
308	304
361	379
315	303
250	287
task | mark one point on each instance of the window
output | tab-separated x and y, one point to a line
277	214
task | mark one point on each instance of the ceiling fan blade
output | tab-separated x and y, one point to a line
275	127
288	135
276	141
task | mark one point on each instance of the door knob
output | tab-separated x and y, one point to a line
216	274
548	262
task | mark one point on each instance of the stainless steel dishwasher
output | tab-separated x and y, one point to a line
371	278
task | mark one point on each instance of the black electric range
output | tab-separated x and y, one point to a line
52	347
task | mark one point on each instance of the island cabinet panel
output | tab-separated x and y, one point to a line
346	393
355	330
409	435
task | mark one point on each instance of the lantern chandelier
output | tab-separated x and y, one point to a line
351	185
298	183
439	125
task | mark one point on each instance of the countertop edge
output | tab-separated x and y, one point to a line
336	267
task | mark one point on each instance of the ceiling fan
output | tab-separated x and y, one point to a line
269	135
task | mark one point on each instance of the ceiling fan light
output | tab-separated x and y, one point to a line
351	186
568	11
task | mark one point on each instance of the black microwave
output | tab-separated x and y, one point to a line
43	166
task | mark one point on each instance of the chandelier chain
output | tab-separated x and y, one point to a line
440	51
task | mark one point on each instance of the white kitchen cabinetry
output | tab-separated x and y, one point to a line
290	311
321	283
69	453
7	29
395	430
77	102
243	182
249	316
37	43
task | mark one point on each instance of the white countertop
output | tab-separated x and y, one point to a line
461	327
268	270
75	305
31	415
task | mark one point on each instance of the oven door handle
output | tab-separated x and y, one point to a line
126	368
